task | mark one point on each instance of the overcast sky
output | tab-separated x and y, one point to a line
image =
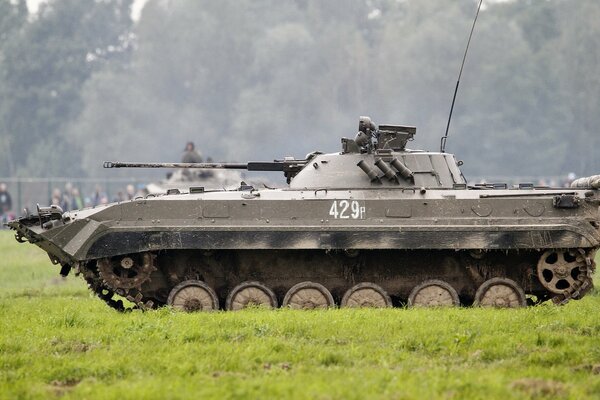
136	9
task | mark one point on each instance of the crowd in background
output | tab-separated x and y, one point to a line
69	198
6	213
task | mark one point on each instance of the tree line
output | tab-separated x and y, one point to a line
81	82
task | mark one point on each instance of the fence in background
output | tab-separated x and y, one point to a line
26	193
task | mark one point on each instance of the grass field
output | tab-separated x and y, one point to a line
57	341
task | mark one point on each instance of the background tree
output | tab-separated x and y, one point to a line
44	67
12	17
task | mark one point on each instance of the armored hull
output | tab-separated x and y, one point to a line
374	225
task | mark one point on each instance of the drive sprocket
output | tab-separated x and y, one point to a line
126	272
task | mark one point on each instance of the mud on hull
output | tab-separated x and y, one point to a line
324	278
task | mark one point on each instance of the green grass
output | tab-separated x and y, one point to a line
57	341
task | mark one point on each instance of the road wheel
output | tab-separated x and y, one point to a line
308	296
501	293
433	293
250	294
193	295
366	294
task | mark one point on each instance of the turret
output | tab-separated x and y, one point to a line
376	157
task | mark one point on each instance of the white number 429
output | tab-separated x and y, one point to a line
346	209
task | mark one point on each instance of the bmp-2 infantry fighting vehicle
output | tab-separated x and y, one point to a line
376	225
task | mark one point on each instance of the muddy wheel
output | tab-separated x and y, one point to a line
126	272
433	293
558	270
501	293
248	294
366	294
193	296
308	296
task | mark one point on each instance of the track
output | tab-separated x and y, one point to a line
200	281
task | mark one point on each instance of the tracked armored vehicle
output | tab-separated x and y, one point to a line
376	224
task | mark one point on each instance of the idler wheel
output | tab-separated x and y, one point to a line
308	296
366	294
193	295
126	272
433	293
500	293
559	270
248	294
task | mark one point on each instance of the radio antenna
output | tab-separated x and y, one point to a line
445	137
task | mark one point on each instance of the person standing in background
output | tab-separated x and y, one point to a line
5	204
190	155
77	202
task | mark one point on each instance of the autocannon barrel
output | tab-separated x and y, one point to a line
289	167
250	166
